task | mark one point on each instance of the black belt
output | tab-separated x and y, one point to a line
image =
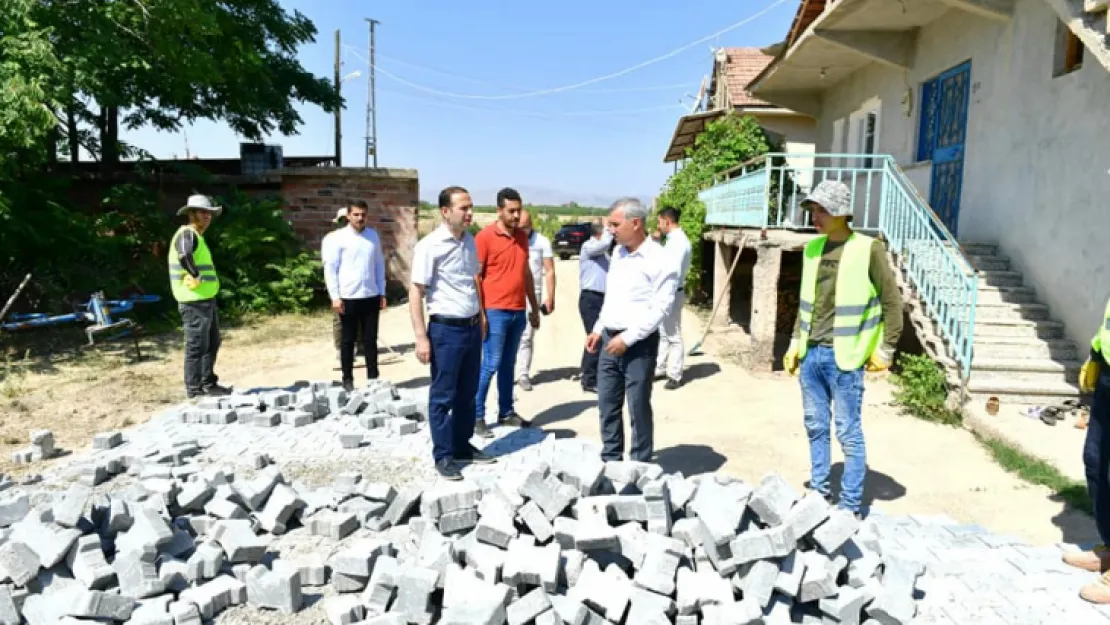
611	332
601	293
459	322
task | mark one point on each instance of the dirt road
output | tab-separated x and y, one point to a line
723	418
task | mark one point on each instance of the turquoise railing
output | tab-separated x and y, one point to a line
767	193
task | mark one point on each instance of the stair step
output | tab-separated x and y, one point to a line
1025	369
992	347
1000	278
1030	311
995	295
1021	392
1023	328
994	262
979	249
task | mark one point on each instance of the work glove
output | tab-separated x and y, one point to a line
191	283
1088	376
790	360
879	360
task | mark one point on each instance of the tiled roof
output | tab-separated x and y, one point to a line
741	66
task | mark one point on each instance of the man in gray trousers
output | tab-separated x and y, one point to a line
639	290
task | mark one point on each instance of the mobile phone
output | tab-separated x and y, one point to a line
543	309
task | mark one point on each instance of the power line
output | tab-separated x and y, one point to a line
433	70
563	115
584	83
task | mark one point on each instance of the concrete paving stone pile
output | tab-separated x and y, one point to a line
193	517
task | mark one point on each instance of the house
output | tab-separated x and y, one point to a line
982	128
733	69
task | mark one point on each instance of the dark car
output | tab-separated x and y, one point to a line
569	239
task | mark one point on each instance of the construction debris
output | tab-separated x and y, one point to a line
568	539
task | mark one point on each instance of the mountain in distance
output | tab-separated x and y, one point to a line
539	196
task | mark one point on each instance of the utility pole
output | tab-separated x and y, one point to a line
371	106
338	109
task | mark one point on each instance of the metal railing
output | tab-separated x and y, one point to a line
767	192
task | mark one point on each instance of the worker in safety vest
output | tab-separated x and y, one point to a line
1094	377
195	284
849	319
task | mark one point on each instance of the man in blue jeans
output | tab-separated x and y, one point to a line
444	266
849	319
505	285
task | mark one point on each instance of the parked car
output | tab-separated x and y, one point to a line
569	239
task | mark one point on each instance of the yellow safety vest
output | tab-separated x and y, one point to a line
209	281
1101	342
858	318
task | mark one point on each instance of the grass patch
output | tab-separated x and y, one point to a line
1036	471
922	391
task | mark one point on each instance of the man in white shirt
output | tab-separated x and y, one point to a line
671	350
444	273
340	222
639	291
354	272
541	259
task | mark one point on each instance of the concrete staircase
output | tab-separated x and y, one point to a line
1090	21
1020	353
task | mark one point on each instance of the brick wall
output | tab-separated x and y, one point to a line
313	195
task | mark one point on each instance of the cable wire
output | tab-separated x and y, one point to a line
577	85
432	70
563	115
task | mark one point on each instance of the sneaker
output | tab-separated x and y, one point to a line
1097	591
475	456
191	395
514	420
481	429
589	388
348	385
672	384
1097	560
447	470
215	390
524	383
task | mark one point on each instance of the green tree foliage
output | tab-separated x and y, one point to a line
725	143
72	72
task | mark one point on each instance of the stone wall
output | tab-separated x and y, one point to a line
313	195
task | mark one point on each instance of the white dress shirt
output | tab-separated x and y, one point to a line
641	287
678	246
539	250
354	264
446	267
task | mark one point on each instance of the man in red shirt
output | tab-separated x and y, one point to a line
505	283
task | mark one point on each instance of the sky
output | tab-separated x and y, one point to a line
445	67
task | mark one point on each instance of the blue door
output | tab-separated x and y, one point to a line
944	104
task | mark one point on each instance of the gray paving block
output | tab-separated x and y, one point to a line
239	542
757	581
205	563
89	566
96	604
69	510
278	589
528	607
18	563
414	589
9	611
772	499
819	579
344	610
601	592
775	542
791	570
834	532
806	515
548	492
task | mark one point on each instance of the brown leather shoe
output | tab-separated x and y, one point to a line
1096	561
1097	591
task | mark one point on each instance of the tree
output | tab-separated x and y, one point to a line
725	143
172	62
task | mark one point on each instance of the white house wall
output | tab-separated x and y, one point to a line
799	137
1037	152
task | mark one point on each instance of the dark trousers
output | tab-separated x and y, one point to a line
456	358
337	334
629	375
359	314
202	343
589	307
1096	455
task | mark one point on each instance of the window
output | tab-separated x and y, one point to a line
864	132
1069	51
